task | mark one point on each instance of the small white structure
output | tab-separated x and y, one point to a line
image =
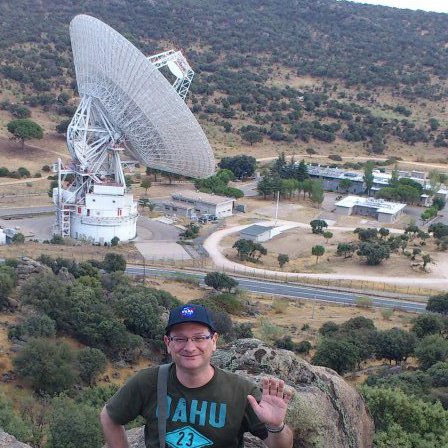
378	209
442	193
206	204
2	237
258	233
108	212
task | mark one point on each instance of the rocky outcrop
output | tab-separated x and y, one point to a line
326	412
27	267
8	441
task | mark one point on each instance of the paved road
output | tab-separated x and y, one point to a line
290	290
26	211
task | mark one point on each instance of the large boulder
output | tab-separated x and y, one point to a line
8	441
326	412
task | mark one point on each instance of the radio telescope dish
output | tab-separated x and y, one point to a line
126	104
145	112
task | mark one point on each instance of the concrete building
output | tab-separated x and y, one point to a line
178	208
332	178
383	211
206	204
258	233
108	212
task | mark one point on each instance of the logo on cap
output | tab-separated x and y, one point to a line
187	311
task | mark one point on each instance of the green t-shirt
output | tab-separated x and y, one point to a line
216	414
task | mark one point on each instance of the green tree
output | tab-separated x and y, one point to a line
114	262
375	253
47	293
317	251
346	249
327	235
282	259
439	203
12	423
400	418
252	137
337	354
426	324
242	166
39	326
140	312
265	187
317	193
18	238
6	286
146	184
344	185
48	366
220	280
439	374
243	248
426	258
114	241
328	329
438	303
92	362
317	225
368	176
73	425
395	345
61	128
23	129
431	349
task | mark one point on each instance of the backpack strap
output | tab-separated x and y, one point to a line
162	386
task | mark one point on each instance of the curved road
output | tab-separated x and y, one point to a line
212	246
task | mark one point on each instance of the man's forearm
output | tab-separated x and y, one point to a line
283	439
114	434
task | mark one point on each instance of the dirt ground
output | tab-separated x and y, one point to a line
297	244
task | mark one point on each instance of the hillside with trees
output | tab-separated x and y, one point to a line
378	75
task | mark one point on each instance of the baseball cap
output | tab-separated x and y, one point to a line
190	313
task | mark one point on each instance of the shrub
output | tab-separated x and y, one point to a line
280	305
39	326
364	302
73	425
47	366
269	332
91	363
303	347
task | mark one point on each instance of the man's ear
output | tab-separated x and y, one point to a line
215	340
166	340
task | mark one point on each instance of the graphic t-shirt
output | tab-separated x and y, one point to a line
216	414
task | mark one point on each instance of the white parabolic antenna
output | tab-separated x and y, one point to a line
126	103
157	126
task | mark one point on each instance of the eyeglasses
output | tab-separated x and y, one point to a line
197	340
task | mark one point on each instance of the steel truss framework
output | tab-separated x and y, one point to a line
126	103
137	102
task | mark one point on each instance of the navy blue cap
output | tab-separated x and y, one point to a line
190	313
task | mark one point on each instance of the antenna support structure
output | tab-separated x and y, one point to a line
92	200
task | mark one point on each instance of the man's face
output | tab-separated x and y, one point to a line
191	355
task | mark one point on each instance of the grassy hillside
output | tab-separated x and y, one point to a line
332	75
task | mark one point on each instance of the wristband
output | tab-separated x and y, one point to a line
276	430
